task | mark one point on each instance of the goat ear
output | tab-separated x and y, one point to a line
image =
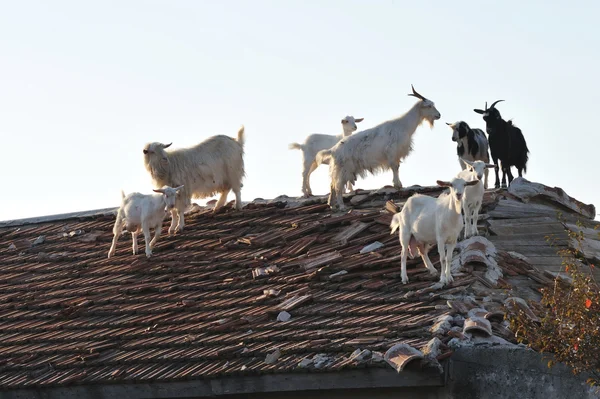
344	121
479	111
160	190
443	183
472	183
490	165
178	188
359	120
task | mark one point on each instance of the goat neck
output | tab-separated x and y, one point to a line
454	204
412	119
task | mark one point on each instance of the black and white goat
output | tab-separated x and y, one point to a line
471	145
507	143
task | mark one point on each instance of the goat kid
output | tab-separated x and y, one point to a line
471	145
213	166
141	212
473	196
380	148
425	221
507	144
317	142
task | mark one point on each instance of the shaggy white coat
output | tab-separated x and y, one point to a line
214	166
317	142
377	149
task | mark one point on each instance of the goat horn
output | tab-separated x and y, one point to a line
415	94
496	102
167	145
485	106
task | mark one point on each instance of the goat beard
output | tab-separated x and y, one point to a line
159	171
430	121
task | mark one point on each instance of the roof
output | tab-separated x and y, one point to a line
207	303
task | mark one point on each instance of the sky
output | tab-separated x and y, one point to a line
85	84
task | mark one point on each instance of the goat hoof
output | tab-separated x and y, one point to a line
433	272
148	254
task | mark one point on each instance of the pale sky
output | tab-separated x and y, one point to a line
85	84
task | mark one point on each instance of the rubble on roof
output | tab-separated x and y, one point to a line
285	285
527	191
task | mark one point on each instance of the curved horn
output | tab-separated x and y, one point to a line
496	102
415	94
167	145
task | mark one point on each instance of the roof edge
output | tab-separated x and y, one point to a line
286	382
57	217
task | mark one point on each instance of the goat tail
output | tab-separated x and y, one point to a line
240	136
523	159
395	223
295	146
323	157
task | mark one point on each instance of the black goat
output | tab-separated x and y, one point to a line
471	145
507	143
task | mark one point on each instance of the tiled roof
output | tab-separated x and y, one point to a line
207	303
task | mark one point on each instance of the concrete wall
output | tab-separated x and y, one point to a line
471	373
489	373
383	393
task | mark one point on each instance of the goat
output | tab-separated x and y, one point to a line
473	196
471	145
507	143
213	166
317	142
379	148
141	212
425	221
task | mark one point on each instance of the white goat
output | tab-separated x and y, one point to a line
141	212
379	148
216	165
471	145
425	221
317	142
473	197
